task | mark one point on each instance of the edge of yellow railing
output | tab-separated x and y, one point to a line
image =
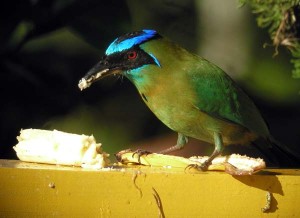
40	190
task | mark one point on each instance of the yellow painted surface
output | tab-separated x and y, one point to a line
39	190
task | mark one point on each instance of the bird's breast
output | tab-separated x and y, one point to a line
172	101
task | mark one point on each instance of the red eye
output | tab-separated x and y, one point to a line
132	55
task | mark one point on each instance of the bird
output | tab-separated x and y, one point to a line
188	93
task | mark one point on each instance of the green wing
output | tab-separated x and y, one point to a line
219	96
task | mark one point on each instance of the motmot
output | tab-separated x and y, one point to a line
189	94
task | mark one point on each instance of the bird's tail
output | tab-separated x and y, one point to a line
277	154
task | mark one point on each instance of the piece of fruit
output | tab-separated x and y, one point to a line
56	147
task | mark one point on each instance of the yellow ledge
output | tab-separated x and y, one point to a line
40	190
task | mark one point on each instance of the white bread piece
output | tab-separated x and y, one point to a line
234	164
56	147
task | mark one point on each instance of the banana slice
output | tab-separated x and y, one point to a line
56	147
234	164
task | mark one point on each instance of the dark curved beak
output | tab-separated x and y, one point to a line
99	71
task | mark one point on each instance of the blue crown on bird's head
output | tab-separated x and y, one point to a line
129	40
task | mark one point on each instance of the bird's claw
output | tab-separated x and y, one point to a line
139	153
202	167
192	166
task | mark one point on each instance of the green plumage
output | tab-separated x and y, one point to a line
186	92
196	98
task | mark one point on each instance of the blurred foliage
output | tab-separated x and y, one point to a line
277	91
282	18
43	56
46	46
176	19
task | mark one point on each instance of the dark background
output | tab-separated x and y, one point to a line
47	46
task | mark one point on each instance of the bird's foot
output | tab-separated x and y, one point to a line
203	167
139	153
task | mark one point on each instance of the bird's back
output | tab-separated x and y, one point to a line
219	96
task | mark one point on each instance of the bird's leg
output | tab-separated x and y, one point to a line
218	149
139	153
181	141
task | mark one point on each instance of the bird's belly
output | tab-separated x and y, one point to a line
194	123
181	118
